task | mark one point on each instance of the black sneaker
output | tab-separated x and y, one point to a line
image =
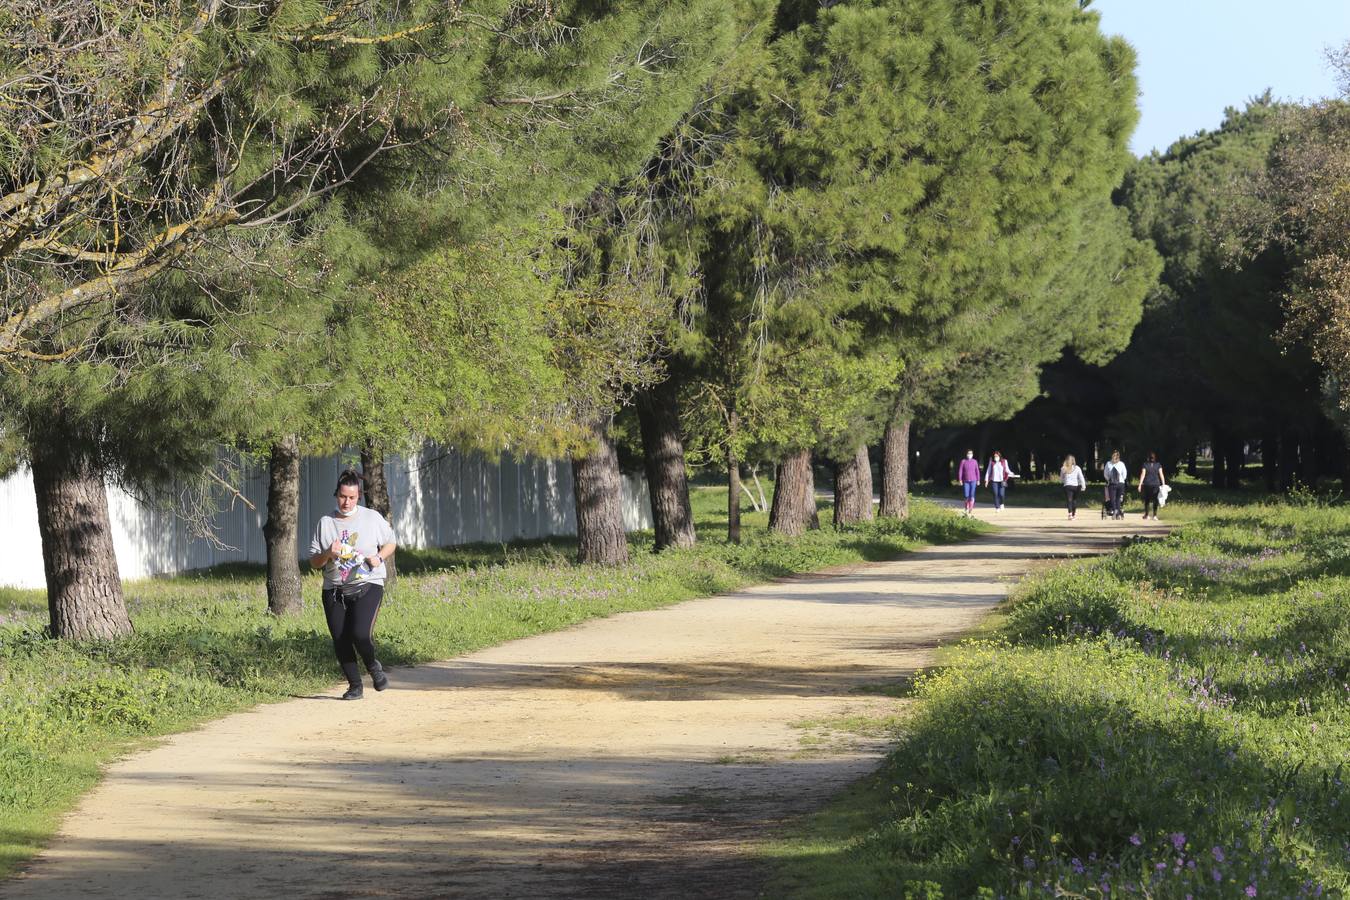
355	692
378	678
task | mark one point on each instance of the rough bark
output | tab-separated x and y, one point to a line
853	489
895	469
598	484
84	590
373	481
282	527
733	482
1237	461
794	496
1217	448
865	486
1270	464
663	455
376	488
1288	459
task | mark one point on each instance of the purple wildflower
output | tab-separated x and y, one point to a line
1251	890
1218	854
1178	840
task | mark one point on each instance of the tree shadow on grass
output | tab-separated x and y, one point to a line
1000	773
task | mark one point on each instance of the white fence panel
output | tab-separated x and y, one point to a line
441	497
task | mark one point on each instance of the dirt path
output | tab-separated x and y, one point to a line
628	757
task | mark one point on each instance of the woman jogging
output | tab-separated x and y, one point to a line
997	475
350	545
968	473
1151	477
1072	478
1116	475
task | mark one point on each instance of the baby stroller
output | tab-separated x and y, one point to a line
1106	504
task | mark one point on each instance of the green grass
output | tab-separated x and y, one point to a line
1169	721
204	645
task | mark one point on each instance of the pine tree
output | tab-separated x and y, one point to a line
1207	355
432	123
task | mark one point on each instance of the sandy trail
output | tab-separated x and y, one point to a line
631	756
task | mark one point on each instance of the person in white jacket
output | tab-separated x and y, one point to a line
1116	475
1072	478
997	475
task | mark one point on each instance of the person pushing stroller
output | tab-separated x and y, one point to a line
1116	475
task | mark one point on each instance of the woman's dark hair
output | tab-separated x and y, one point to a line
1152	457
349	478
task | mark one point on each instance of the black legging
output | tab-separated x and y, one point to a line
1151	496
351	621
1117	498
1071	495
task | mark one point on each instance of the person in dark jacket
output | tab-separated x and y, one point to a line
1151	477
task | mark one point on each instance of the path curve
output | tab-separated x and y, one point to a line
633	756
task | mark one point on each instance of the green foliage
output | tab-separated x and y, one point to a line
912	182
1207	348
1169	720
204	646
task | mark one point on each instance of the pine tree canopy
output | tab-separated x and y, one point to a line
894	175
341	143
1211	323
143	132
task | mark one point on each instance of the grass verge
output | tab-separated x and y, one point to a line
1169	721
204	645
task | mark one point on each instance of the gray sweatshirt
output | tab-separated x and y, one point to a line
362	534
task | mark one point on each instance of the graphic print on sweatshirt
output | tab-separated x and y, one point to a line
349	562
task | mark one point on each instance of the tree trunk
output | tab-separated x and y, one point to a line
376	488
282	526
663	453
1288	459
895	469
1270	460
1307	459
1237	461
733	482
853	489
794	496
1192	466
598	485
1218	447
84	591
373	481
865	487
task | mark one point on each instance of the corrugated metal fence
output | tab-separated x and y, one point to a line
440	497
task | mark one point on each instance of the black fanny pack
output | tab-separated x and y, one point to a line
348	593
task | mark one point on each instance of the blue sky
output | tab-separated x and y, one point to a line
1198	56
